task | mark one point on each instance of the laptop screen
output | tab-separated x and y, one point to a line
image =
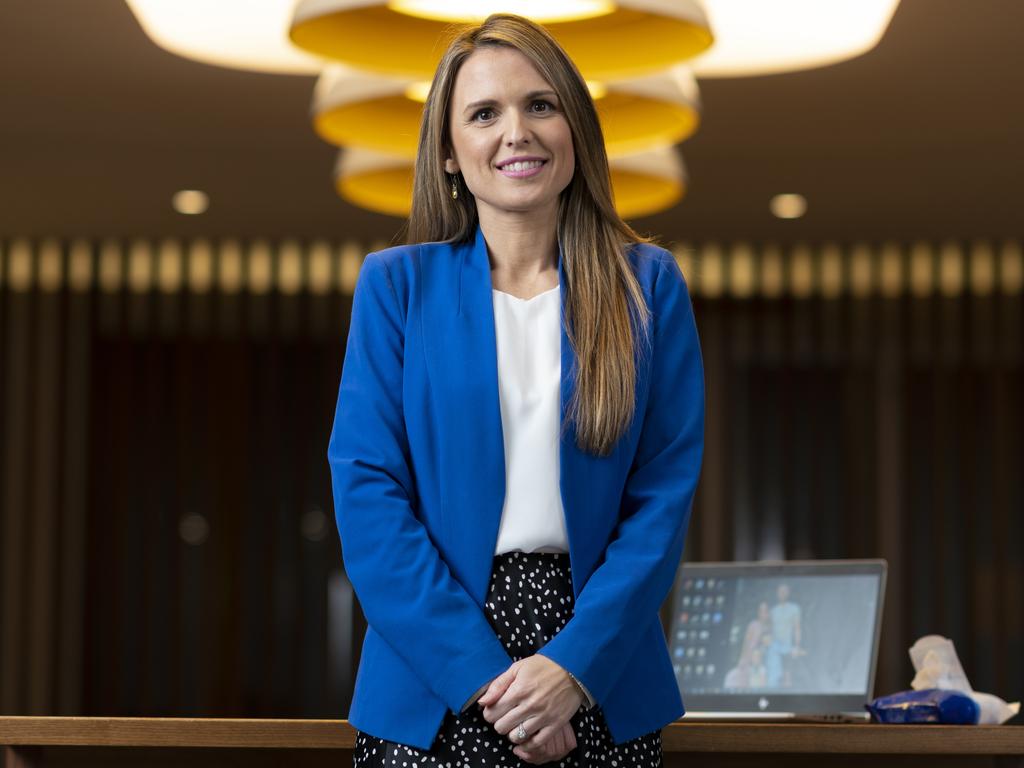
777	637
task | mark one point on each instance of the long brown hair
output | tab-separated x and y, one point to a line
606	317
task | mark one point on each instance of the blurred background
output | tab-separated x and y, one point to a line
169	363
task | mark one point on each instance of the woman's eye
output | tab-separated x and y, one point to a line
483	114
544	106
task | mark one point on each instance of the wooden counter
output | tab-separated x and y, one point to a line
124	741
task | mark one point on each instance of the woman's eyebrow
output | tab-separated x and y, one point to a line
481	103
491	102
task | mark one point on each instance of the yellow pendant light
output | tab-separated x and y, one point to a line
644	184
754	37
369	110
648	182
541	11
635	37
645	113
356	108
375	180
251	35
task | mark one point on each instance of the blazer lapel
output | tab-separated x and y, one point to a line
461	356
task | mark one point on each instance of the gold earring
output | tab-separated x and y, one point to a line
455	189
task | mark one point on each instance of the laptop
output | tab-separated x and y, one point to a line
766	641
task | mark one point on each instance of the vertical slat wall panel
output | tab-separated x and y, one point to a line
168	536
43	575
1009	457
17	359
894	529
73	473
983	307
742	388
710	538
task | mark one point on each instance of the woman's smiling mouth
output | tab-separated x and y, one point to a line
521	169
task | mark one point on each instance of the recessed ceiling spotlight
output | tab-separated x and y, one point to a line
788	206
190	201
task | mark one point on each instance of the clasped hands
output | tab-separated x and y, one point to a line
539	693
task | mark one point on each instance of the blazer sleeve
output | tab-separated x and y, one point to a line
626	590
405	588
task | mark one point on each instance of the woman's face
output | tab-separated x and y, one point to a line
509	136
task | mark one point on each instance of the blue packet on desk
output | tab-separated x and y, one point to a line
931	705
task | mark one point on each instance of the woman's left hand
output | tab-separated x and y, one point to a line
536	692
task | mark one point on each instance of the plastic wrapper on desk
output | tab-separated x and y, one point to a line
931	705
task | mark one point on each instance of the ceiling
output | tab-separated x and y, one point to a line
923	137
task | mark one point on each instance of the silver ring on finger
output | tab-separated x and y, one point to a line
521	732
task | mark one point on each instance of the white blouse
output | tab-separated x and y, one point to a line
528	335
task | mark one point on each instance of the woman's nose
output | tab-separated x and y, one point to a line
517	129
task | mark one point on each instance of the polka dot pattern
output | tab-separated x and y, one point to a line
529	600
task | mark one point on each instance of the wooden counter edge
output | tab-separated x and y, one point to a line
676	737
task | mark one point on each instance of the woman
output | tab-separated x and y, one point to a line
760	626
522	389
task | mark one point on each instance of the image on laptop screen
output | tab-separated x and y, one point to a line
776	637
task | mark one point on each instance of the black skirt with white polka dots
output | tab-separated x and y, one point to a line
529	600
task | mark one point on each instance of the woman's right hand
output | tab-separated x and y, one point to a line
558	746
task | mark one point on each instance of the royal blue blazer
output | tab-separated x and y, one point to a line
418	473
